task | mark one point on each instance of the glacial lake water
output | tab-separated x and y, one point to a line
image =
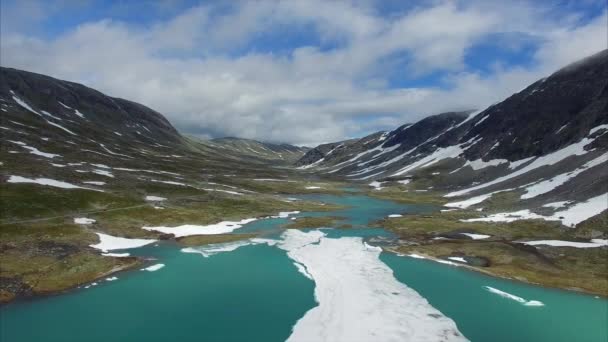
256	293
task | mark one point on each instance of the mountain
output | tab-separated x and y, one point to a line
545	144
257	150
78	167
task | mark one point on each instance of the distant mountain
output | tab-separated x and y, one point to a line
257	150
547	143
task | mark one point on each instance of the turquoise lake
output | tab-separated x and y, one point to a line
255	293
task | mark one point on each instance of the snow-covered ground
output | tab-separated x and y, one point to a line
193	229
94	183
47	182
34	150
109	243
154	198
476	236
570	217
359	298
561	243
552	183
84	220
575	149
376	185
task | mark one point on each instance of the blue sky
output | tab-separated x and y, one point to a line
305	71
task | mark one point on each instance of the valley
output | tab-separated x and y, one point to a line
100	194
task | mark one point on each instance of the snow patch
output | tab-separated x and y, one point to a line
84	220
561	243
153	268
47	182
192	229
108	242
154	198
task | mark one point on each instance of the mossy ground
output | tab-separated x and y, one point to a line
582	269
43	251
200	240
316	222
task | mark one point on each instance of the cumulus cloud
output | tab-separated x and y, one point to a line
310	71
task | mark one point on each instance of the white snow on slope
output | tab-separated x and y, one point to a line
514	297
376	185
154	198
515	164
95	182
211	229
582	211
34	150
24	104
168	182
224	191
556	204
47	181
597	128
359	298
61	127
476	236
103	173
439	154
569	217
473	200
108	242
550	184
508	217
272	180
479	164
561	243
575	149
50	115
78	113
84	220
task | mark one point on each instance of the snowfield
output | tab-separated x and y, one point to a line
154	198
211	229
109	243
561	243
47	182
359	298
84	220
570	217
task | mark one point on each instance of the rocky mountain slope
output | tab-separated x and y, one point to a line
543	149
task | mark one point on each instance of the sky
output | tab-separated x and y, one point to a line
300	71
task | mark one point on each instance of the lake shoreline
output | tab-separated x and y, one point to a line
489	273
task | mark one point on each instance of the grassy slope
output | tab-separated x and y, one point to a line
563	267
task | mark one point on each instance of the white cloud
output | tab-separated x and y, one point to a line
199	67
